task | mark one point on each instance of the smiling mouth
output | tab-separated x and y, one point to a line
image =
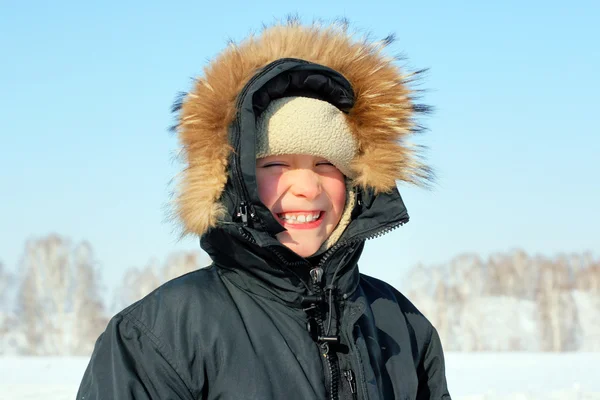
301	218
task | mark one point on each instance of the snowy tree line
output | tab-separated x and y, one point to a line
58	308
510	301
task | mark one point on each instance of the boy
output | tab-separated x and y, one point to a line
294	141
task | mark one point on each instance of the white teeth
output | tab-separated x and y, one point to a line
300	219
313	217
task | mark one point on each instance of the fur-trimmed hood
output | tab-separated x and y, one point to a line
381	115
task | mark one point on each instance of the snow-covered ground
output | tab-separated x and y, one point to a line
523	375
474	376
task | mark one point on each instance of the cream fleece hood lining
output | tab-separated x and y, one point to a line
302	125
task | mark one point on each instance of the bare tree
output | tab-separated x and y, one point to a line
42	305
181	263
6	319
511	302
443	318
559	317
88	309
5	281
139	282
58	297
587	273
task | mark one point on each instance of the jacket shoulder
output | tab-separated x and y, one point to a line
379	294
381	289
144	351
417	332
190	296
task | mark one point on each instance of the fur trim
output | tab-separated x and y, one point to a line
381	119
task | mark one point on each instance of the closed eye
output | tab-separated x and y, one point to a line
274	164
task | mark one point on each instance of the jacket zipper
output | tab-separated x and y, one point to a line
349	375
330	358
367	236
324	339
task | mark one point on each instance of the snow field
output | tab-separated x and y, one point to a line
471	376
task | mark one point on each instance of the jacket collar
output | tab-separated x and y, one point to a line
256	262
273	271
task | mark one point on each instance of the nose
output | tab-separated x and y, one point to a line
305	183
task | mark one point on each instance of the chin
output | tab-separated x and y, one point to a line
302	248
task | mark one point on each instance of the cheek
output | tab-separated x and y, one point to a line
337	193
267	189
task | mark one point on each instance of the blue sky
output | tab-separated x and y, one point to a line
86	91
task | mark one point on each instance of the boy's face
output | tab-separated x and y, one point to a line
306	194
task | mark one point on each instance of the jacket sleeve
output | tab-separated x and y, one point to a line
432	371
129	362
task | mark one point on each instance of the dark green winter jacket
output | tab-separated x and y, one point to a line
262	322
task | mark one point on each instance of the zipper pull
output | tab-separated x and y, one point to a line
243	213
350	378
325	349
328	339
316	275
